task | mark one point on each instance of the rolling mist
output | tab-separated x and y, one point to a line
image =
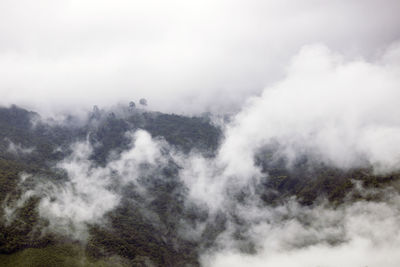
271	136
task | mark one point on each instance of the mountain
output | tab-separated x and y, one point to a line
99	159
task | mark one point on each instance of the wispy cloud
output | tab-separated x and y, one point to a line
90	191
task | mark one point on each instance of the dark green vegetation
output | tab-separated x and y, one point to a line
28	145
67	255
311	182
139	232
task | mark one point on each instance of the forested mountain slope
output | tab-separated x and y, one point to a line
148	225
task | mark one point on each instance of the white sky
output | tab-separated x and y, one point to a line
183	56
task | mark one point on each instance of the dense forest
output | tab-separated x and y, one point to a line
141	230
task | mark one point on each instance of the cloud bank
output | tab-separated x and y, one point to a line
358	234
344	113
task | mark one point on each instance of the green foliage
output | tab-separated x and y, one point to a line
310	181
68	255
184	132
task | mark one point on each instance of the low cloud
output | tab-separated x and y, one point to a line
18	149
335	101
353	234
344	113
90	191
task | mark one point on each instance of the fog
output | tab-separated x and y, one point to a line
358	234
341	113
90	191
17	148
184	57
345	113
318	79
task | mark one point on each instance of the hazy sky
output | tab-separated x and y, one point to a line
183	56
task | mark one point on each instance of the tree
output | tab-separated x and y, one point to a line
143	102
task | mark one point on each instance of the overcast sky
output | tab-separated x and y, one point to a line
183	56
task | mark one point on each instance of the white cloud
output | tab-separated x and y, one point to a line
18	148
346	113
364	234
90	191
343	113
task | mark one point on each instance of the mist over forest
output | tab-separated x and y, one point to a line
218	133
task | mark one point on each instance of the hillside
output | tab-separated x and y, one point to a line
146	226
